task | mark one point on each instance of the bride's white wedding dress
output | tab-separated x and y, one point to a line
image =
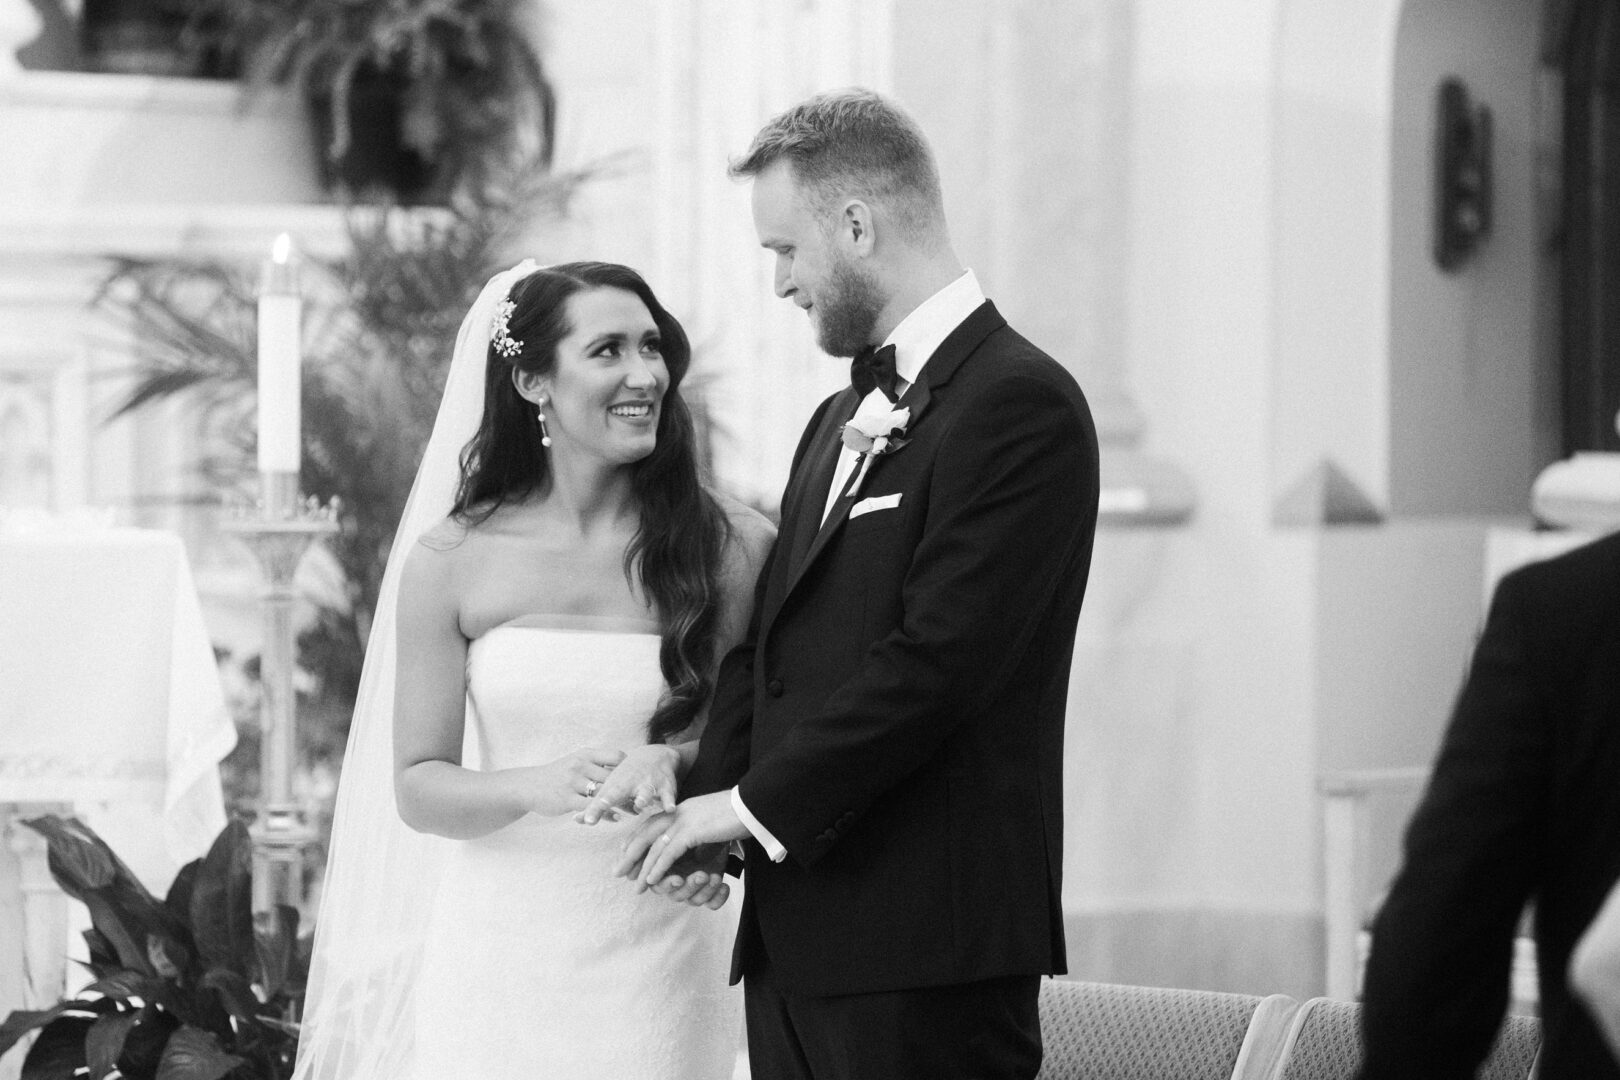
537	962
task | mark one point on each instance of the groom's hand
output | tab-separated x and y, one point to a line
699	879
651	851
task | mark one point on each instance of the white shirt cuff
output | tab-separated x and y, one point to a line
773	846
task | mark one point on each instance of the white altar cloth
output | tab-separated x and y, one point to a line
108	686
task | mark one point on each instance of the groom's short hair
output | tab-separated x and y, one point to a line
854	143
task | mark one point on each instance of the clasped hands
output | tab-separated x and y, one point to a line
679	852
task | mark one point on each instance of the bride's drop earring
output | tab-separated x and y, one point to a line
545	435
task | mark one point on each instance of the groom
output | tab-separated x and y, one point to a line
888	744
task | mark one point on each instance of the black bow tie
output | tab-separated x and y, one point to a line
874	368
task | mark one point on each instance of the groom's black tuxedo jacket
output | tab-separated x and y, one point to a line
896	717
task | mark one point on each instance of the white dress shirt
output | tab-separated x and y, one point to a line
915	339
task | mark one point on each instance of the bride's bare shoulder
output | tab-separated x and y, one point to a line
430	562
748	524
750	537
462	536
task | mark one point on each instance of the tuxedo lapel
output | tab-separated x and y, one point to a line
806	502
939	369
835	517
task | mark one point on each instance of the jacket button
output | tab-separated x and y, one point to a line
774	688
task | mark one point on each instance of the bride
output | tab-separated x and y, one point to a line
563	587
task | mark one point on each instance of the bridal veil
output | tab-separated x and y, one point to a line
380	875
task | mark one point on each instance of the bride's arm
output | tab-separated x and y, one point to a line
432	790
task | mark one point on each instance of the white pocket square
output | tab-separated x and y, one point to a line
876	502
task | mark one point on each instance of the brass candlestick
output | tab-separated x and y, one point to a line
279	529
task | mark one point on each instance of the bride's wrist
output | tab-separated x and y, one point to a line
524	790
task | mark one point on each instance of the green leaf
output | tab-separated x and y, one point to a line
178	900
156	386
120	930
222	903
194	1054
58	1053
103	957
104	1044
123	985
21	1022
77	858
143	1046
234	991
167	957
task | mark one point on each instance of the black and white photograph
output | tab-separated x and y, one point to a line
809	540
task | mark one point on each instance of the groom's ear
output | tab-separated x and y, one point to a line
855	227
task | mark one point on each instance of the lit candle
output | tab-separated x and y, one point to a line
279	360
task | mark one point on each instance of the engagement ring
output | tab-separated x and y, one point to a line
590	788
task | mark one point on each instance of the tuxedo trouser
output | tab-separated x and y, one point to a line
988	1030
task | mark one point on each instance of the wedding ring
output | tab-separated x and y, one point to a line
590	788
664	839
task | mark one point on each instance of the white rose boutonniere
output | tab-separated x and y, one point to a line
876	428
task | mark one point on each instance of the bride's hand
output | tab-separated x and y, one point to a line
565	785
645	779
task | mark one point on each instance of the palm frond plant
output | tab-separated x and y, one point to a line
458	84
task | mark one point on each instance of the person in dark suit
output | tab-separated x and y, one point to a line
1523	806
888	742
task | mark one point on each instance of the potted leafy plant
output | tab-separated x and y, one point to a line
189	987
411	99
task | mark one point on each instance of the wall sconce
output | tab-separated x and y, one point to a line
1462	176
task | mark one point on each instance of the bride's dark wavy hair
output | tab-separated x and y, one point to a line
677	547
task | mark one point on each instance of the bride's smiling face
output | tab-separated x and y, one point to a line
603	395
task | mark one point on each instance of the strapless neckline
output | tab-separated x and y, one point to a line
538	693
577	624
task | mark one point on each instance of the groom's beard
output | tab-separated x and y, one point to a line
847	308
